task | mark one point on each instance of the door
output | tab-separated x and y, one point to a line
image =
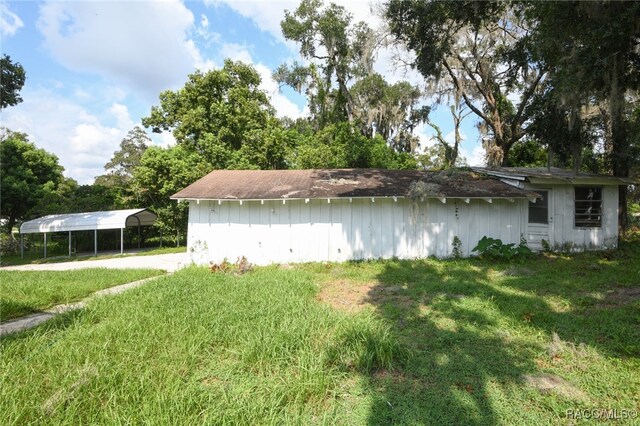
540	220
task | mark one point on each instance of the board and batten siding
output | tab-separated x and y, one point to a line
562	231
268	232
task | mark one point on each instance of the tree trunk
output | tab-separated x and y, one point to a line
620	143
505	154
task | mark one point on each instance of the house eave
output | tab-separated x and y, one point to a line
613	181
395	198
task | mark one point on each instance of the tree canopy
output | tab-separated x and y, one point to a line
27	174
161	173
121	167
341	51
472	50
214	113
592	50
11	82
338	77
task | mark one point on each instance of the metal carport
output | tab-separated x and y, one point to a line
90	221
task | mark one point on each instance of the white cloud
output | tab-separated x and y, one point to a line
475	157
451	136
207	36
142	44
284	107
88	138
164	139
81	94
236	52
123	118
10	22
267	15
82	141
198	62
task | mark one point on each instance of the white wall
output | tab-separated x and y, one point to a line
562	233
273	232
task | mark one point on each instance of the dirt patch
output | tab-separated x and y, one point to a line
399	378
559	349
515	271
550	383
619	297
390	294
345	295
348	296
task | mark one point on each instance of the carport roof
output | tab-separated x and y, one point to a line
114	219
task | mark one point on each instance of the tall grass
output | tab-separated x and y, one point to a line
482	332
423	342
191	348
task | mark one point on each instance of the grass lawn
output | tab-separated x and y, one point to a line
25	292
424	342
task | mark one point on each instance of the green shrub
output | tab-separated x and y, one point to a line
8	245
546	247
494	248
456	248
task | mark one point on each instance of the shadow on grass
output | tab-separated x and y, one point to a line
469	325
12	310
454	360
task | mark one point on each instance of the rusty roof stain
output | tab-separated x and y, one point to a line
346	183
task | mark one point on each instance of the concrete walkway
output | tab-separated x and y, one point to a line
168	262
30	321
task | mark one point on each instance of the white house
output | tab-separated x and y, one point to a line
280	216
575	212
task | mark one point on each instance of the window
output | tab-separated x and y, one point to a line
588	207
539	211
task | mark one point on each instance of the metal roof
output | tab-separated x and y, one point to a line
553	175
345	183
114	219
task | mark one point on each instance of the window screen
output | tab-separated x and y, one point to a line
539	211
588	207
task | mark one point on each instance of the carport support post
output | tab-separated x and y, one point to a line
69	243
95	242
45	245
121	240
21	246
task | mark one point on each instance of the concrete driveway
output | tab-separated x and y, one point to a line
168	262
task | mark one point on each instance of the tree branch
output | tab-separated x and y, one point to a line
487	96
475	109
525	99
438	135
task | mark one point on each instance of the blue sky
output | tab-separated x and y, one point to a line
95	68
